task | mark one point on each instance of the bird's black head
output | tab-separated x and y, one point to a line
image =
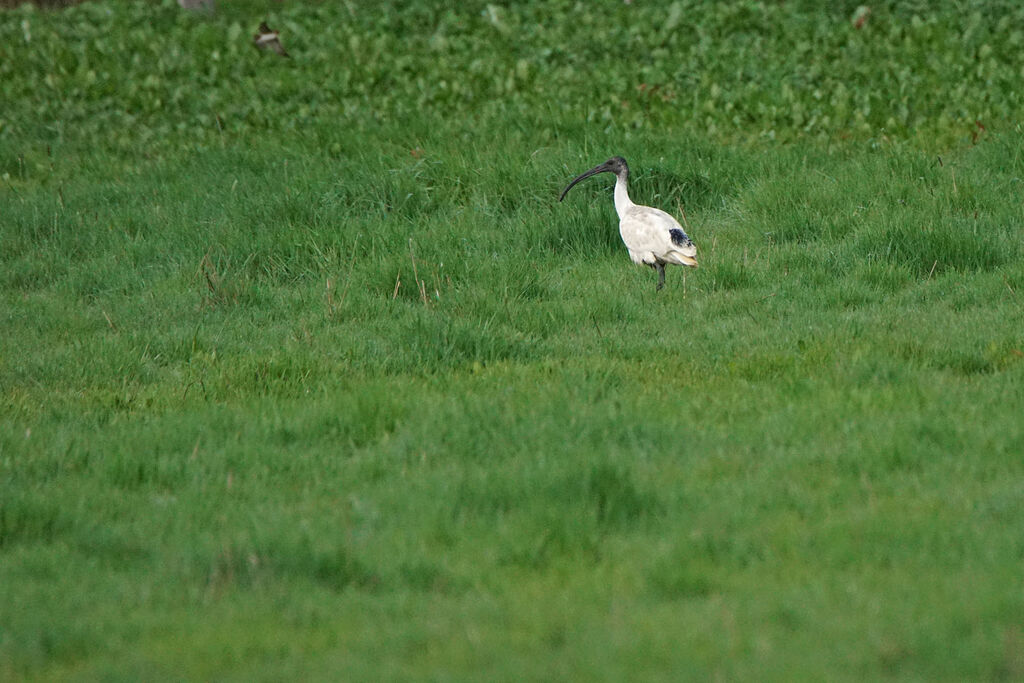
616	165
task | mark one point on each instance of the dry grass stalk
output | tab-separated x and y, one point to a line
415	275
109	321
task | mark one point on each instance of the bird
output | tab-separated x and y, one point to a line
268	39
652	237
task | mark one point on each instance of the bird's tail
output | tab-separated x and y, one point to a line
683	258
683	250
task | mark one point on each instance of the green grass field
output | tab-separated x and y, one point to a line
306	374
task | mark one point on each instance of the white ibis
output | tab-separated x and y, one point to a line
268	39
652	237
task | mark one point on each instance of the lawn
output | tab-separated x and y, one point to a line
306	373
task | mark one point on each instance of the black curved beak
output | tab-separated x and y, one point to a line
603	168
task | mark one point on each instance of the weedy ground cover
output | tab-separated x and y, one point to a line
305	371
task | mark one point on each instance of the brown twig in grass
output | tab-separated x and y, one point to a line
330	298
215	283
764	298
209	273
682	212
415	275
109	321
931	271
398	283
202	385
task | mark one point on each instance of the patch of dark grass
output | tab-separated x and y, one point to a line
326	562
556	539
927	249
428	577
29	519
679	576
669	190
615	497
587	232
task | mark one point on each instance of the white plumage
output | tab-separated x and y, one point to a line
652	237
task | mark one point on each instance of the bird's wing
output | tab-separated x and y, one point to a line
645	229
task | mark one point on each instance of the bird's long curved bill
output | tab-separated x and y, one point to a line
583	176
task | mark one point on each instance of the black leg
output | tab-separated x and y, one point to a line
661	276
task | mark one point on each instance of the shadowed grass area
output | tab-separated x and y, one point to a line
307	373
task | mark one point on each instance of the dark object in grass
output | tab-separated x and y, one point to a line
268	39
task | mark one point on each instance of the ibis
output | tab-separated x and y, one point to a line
652	237
269	39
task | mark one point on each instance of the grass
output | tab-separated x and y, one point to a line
348	394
